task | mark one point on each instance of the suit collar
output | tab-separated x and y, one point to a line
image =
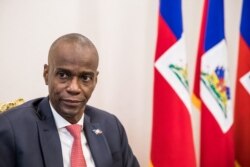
48	135
97	142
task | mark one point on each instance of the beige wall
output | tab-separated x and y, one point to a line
124	32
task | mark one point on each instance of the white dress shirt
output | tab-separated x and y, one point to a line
67	140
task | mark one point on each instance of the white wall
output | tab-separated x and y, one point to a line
124	32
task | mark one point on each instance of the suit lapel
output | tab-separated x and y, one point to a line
98	144
48	135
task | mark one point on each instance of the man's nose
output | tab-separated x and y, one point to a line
74	85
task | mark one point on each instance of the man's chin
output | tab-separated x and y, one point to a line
71	116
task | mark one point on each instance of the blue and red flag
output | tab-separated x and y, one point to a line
212	94
242	94
172	137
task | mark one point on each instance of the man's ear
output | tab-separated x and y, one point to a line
45	73
96	78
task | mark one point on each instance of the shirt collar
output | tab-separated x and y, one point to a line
60	121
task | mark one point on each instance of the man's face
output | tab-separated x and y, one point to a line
71	77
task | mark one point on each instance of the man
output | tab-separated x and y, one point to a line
37	133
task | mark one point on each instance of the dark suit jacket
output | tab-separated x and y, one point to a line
29	138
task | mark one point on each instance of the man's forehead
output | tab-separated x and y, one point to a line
72	48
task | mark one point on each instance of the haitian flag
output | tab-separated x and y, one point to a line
242	95
172	137
211	89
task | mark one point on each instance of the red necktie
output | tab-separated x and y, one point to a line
77	157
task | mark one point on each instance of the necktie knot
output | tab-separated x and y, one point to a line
74	130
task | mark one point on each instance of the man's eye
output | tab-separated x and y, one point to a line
62	75
86	78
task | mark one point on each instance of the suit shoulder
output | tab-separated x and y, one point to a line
90	110
19	111
99	115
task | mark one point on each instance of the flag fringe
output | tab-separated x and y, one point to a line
151	164
236	164
196	101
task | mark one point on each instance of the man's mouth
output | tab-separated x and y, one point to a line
72	102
